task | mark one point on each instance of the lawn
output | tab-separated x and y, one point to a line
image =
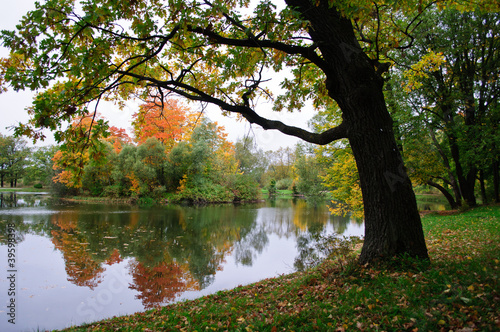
458	291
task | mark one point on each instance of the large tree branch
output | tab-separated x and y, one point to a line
246	111
253	42
323	138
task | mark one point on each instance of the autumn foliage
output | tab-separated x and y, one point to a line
169	122
118	137
81	268
177	152
160	284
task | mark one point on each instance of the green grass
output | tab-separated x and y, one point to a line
459	291
99	200
279	193
26	189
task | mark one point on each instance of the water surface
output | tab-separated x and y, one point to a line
78	263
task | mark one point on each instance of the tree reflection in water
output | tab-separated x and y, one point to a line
81	268
160	284
173	249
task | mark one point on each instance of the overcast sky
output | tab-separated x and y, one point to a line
13	104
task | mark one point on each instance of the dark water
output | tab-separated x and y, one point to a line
432	203
76	263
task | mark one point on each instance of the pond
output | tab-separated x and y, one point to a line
76	263
432	202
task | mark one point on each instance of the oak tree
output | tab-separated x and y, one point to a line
77	54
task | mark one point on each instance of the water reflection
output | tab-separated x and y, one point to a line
167	253
19	199
161	283
432	203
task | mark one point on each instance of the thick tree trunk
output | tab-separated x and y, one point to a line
467	181
392	220
496	180
482	186
452	180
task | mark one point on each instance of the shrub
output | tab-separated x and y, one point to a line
159	192
146	202
244	188
204	192
38	186
113	191
59	189
284	184
272	187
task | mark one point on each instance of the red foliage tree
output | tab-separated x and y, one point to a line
167	122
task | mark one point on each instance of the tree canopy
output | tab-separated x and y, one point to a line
13	152
221	52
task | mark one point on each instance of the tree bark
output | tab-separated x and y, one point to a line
392	220
482	186
467	181
452	180
496	180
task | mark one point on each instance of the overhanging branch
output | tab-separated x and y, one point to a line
246	111
323	138
306	52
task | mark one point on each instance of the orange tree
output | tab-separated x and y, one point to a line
77	54
118	137
169	122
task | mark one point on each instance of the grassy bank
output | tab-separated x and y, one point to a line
279	193
459	291
27	189
100	200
